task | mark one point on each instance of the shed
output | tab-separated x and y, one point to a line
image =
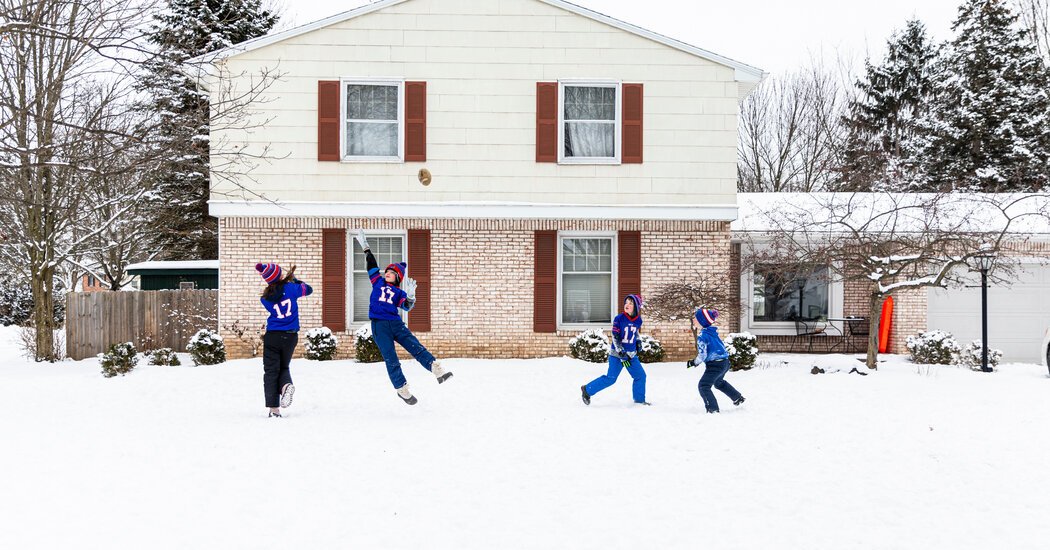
177	275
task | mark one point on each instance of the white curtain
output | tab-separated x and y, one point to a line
372	122
590	121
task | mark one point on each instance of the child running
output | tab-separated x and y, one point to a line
623	353
282	333
391	291
711	352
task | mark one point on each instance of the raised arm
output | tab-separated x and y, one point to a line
370	260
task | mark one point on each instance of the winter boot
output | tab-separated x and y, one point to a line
274	414
440	372
286	395
406	395
646	403
586	396
739	401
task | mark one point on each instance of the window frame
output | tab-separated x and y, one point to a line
343	120
352	325
617	157
836	297
614	275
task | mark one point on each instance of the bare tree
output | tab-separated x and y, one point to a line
1035	14
892	241
680	299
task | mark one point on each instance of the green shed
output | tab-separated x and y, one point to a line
177	275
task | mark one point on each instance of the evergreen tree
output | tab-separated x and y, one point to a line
881	119
989	126
184	30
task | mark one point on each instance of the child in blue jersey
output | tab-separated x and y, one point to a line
711	352
281	301
623	353
392	292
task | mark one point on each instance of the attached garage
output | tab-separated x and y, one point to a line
1018	314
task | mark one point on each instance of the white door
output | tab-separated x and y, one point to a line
1018	314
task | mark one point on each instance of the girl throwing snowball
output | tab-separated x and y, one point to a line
281	301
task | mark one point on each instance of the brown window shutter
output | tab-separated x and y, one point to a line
415	122
419	269
546	122
328	120
629	268
632	124
333	279
545	294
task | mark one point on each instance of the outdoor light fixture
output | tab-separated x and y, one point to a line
984	260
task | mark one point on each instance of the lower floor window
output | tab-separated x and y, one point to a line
387	250
586	279
789	295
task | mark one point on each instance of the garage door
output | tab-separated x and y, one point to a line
1018	314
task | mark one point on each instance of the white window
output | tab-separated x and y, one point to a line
589	128
586	279
374	115
776	298
187	285
387	249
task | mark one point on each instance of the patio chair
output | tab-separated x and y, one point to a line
808	330
859	330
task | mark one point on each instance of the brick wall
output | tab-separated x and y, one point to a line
481	272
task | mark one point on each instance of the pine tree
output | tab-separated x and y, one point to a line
989	126
184	30
881	119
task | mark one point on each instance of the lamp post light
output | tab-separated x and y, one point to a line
985	260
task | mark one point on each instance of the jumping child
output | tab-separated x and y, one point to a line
392	291
711	352
282	333
623	353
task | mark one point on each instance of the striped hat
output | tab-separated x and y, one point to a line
269	272
637	299
399	269
706	317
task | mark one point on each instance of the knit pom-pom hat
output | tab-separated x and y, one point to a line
269	272
637	299
399	269
706	317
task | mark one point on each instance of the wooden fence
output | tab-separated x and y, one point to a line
149	319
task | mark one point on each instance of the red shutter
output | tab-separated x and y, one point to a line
419	269
632	124
546	122
545	293
629	268
328	120
333	279
415	122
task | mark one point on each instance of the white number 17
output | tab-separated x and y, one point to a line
288	308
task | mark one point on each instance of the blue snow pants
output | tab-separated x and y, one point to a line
388	332
615	366
714	375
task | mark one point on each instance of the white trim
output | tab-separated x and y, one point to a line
617	121
615	252
351	325
471	210
400	82
744	72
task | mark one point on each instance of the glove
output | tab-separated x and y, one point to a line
632	354
625	362
361	239
690	363
409	286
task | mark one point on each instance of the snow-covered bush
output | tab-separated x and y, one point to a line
365	348
321	344
743	350
120	359
164	357
207	348
970	356
590	345
934	347
649	349
16	305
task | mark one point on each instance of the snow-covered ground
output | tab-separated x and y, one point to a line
505	455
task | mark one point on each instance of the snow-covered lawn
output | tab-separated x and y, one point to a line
505	455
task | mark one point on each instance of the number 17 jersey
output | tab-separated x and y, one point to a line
284	313
627	329
386	299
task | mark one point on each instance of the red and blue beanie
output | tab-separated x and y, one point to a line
706	317
269	272
637	299
399	269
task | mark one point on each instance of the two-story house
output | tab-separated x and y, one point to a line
532	160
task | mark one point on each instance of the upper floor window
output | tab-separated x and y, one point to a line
590	122
374	114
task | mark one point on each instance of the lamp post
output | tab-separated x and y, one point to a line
985	260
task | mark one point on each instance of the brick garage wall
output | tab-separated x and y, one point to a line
481	273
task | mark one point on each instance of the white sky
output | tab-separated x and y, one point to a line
775	35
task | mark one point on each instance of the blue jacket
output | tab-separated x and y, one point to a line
709	346
625	332
386	299
284	312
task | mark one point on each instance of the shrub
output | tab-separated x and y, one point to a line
743	350
970	356
16	305
934	347
120	359
163	357
365	348
649	349
207	348
590	345
321	344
